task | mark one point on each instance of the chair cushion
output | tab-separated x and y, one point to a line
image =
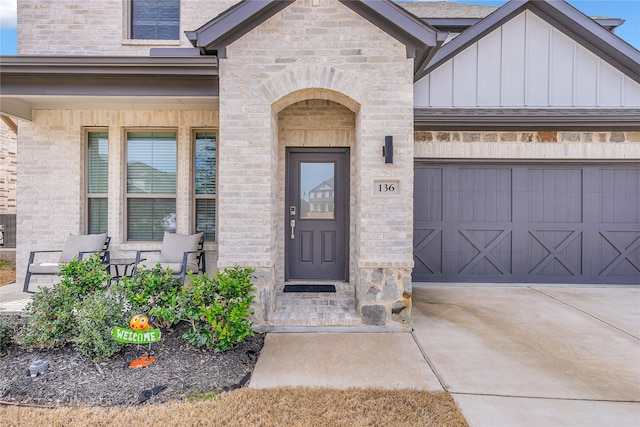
45	268
176	267
84	243
175	245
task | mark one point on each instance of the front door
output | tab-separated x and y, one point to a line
317	214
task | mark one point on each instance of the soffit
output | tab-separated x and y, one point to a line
37	82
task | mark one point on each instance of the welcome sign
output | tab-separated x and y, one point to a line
129	336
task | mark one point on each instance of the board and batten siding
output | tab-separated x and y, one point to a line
526	63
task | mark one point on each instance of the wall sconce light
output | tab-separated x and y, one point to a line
387	150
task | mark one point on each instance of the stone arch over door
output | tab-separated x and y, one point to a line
313	118
314	82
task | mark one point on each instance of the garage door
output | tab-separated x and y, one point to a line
535	223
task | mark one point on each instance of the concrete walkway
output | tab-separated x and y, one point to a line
510	356
12	299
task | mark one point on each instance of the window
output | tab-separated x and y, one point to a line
97	181
155	19
205	184
151	184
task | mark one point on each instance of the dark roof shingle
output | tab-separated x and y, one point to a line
446	9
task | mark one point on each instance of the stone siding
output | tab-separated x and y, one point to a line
52	170
325	52
527	145
98	27
8	169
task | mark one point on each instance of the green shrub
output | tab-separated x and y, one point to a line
218	308
85	276
154	292
80	310
97	315
50	320
6	333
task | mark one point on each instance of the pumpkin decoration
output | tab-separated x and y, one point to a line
139	322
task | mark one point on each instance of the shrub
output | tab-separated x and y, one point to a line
50	321
97	316
154	292
218	308
6	333
85	276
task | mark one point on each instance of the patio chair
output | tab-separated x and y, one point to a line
75	246
181	253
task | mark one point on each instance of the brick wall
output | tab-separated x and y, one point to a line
98	27
317	52
527	145
8	169
52	169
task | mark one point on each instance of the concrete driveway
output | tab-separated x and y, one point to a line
534	356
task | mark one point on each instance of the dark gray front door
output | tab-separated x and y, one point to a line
564	223
317	213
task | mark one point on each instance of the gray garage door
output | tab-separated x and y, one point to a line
570	223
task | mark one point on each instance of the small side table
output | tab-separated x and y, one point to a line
122	267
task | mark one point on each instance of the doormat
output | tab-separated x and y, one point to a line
309	288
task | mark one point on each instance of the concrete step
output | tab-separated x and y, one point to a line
316	309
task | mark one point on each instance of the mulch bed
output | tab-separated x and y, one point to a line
74	380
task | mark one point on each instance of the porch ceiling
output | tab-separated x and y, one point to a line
83	82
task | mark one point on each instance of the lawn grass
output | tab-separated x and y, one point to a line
271	407
7	273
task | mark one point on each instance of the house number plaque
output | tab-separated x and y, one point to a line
386	187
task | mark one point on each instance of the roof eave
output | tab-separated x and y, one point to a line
592	35
461	119
25	77
420	39
235	22
396	21
109	65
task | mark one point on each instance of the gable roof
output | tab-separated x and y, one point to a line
562	16
421	39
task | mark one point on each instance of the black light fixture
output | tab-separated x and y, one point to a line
387	150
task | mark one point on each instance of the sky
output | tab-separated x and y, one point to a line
628	10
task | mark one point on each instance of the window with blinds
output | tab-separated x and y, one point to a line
205	184
151	184
97	181
155	19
